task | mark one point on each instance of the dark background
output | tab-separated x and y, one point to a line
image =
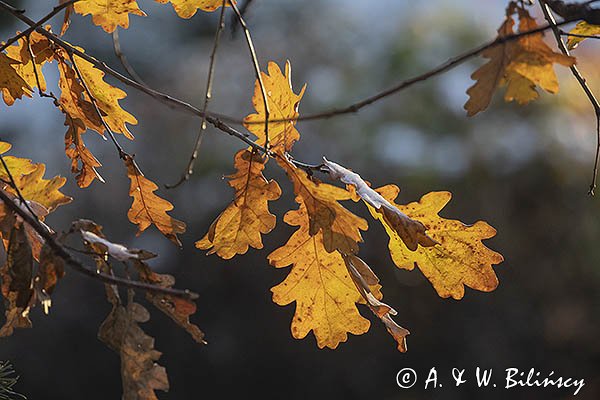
525	170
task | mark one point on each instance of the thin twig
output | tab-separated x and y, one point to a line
123	59
256	69
122	153
13	184
588	92
33	27
60	251
189	169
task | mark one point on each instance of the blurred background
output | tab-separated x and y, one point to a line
525	170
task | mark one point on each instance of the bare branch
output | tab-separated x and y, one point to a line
124	62
588	92
35	25
256	69
189	169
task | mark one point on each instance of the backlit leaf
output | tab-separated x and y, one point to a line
109	13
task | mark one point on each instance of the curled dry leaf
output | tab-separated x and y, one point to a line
364	278
283	105
411	232
340	228
520	64
459	259
108	13
149	209
320	285
42	52
115	250
50	271
241	224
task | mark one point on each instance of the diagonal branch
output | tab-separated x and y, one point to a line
123	59
588	92
33	27
78	266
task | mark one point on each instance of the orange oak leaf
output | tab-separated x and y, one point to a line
283	105
459	259
320	285
187	8
340	228
149	209
108	13
12	85
248	217
520	64
582	28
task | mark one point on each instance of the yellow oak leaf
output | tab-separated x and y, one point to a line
340	228
459	259
149	209
187	8
12	85
283	105
319	283
582	28
42	52
241	224
520	64
108	13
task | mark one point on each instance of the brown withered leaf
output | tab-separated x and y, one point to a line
458	259
364	278
140	372
16	276
176	308
412	232
320	285
242	223
149	209
340	228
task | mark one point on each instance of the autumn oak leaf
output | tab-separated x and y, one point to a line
149	209
458	259
248	217
521	65
283	107
108	13
187	8
320	285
